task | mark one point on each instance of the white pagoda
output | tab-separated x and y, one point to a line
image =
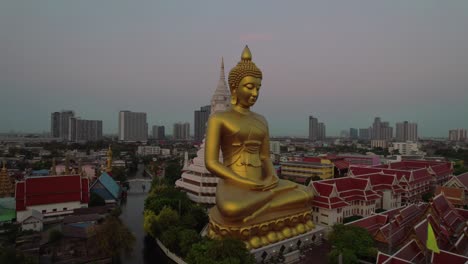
197	181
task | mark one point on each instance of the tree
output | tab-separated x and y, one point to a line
12	256
170	239
113	237
96	200
55	236
352	242
426	197
167	218
150	223
219	251
187	237
172	172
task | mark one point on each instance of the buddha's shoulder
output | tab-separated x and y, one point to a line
259	117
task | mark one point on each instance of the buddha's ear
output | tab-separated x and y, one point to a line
234	97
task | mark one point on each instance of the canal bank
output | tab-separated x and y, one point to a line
145	249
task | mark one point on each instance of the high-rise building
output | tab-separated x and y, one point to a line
200	119
321	135
381	130
406	131
158	132
59	124
317	130
81	130
133	126
353	133
313	128
55	124
181	131
458	134
365	133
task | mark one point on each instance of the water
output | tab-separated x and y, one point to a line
145	249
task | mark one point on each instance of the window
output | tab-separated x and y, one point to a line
54	210
64	208
44	211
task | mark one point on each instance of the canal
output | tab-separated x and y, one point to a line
145	249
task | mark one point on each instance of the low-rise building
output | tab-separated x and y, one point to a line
148	150
301	171
106	188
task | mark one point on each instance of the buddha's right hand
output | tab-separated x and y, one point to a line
250	184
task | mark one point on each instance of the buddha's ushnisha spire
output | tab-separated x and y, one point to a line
7	188
4	166
246	54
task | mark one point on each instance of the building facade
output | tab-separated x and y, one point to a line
159	132
458	134
308	168
181	131
406	131
148	150
60	124
353	133
133	126
200	119
81	130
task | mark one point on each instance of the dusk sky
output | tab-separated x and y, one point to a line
344	62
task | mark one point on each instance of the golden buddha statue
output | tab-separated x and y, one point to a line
252	203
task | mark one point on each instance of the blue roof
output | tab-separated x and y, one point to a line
110	185
43	172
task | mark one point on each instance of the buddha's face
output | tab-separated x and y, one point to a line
247	91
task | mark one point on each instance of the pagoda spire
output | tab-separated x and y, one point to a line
221	75
53	170
7	188
221	98
109	160
67	164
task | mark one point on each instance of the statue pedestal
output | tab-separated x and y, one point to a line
262	232
289	248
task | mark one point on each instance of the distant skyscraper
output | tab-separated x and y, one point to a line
317	130
55	124
159	132
365	133
60	124
133	126
313	128
181	131
406	131
353	133
81	130
458	134
381	130
200	119
321	135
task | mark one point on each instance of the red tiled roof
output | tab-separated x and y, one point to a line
341	164
411	252
371	223
51	189
445	257
463	178
324	189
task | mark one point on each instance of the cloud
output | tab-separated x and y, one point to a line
256	37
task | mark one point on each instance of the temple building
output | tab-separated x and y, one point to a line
197	181
52	196
402	232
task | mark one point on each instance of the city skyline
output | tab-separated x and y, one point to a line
351	63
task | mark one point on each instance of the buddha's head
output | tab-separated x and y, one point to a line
245	81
